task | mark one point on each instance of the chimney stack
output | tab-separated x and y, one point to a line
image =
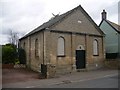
104	15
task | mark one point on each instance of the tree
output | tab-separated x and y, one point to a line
14	38
9	54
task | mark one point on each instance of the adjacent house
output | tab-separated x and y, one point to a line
65	43
112	38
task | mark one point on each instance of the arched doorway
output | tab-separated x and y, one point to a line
80	57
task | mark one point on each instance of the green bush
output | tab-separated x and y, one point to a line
22	56
9	54
17	61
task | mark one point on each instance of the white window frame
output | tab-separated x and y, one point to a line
61	47
95	47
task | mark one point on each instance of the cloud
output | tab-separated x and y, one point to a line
95	7
4	39
22	16
119	13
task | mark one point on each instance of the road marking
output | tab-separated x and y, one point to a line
33	86
96	78
57	83
74	81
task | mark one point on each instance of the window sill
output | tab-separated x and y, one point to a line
61	56
95	55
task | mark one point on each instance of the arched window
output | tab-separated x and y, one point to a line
36	47
61	46
95	48
24	45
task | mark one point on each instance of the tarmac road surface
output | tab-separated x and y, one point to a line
103	82
89	79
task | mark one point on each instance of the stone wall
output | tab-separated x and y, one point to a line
33	62
71	23
72	41
48	52
112	63
82	32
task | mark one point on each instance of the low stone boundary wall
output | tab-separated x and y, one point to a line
7	66
11	66
112	63
20	66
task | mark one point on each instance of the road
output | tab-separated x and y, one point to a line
90	79
102	82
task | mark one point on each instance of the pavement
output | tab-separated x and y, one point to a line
63	79
16	75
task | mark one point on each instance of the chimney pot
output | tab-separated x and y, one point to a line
104	15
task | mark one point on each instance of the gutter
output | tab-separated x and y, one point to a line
31	34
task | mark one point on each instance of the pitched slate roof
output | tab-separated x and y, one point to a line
115	26
58	18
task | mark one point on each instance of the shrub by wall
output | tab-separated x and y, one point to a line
9	54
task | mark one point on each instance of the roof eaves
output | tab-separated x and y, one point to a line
31	34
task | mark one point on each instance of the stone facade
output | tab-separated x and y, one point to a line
78	30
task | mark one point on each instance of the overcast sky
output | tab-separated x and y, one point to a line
22	16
